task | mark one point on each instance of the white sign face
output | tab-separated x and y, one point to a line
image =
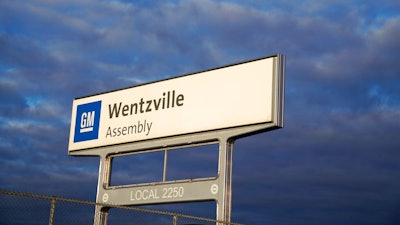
222	98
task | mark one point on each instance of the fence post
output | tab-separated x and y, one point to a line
175	222
52	210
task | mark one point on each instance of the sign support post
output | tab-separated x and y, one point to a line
224	205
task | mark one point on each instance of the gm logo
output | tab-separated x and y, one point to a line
87	121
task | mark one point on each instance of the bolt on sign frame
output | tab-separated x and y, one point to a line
214	106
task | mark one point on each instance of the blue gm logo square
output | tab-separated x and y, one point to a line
87	121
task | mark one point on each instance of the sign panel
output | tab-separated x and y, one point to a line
162	193
226	97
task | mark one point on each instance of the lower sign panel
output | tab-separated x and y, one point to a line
162	193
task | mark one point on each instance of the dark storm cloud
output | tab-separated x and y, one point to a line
336	160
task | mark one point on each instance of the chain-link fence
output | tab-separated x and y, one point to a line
18	208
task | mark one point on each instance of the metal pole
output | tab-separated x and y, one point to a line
165	165
101	212
224	203
52	210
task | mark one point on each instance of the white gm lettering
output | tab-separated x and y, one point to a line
87	121
153	194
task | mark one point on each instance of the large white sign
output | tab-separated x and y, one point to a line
232	96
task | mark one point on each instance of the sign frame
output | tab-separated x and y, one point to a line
124	116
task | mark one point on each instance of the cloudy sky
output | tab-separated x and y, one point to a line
336	161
